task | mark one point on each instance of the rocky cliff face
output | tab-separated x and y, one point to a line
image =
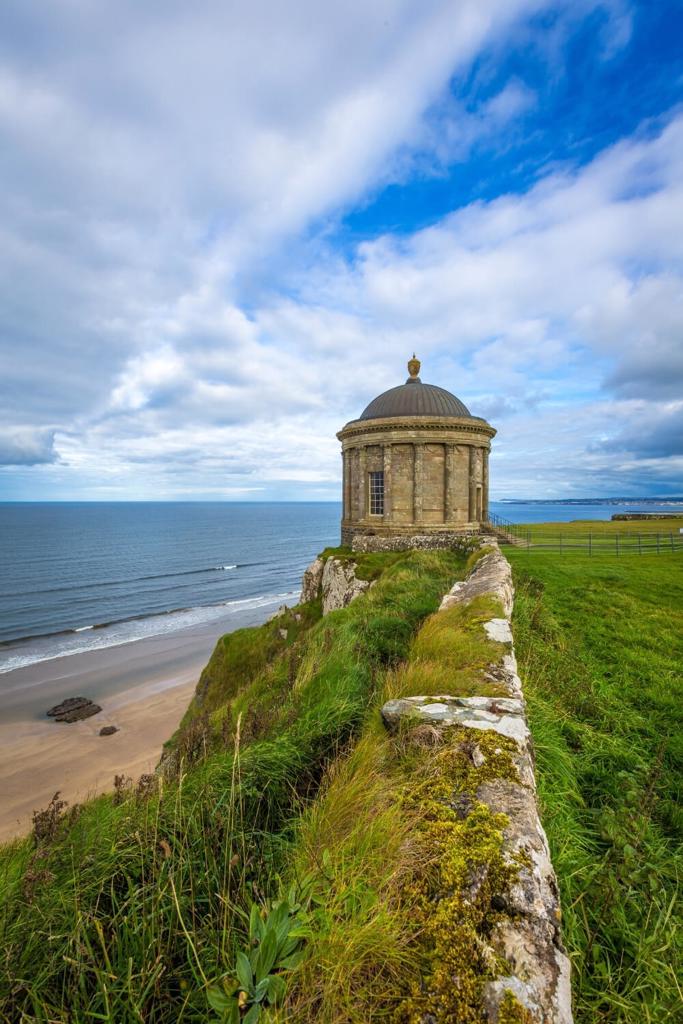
333	579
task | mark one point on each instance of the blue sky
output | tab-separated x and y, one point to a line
225	229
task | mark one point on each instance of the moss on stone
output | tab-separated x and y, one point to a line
455	898
511	1011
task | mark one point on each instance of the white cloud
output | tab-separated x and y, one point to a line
170	316
154	160
26	446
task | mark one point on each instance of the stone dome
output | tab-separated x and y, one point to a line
415	399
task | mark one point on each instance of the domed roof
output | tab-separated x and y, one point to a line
415	399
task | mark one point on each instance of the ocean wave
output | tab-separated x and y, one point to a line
125	581
65	643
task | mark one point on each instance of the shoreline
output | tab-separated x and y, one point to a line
143	687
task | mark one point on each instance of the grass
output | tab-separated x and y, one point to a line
395	921
134	904
384	844
369	564
449	654
240	657
600	646
355	841
620	538
282	778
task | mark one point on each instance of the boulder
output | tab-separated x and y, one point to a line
74	709
108	730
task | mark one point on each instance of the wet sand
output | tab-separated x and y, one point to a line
143	687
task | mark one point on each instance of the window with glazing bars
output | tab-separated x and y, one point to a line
377	493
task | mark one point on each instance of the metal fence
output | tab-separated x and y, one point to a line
592	542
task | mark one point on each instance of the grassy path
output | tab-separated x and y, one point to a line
600	645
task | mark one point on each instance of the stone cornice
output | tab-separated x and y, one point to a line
445	424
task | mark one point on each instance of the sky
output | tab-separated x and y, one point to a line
224	228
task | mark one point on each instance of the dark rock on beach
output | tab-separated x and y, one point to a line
74	709
108	730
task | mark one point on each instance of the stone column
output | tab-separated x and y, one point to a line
418	453
485	484
363	484
346	483
386	466
449	483
473	485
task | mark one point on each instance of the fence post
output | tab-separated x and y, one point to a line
672	540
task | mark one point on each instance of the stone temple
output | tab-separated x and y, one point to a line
416	469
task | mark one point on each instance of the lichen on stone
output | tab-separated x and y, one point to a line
461	894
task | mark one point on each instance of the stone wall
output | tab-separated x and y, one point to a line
526	938
462	540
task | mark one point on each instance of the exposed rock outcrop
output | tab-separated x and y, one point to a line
312	581
340	586
108	730
335	579
74	709
527	936
283	608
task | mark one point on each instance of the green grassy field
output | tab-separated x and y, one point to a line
282	782
600	646
618	538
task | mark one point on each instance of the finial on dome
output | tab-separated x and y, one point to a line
413	369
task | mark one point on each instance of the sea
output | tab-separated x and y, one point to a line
78	577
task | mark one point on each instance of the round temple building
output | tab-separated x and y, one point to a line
416	468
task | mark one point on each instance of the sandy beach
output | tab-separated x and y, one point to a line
143	688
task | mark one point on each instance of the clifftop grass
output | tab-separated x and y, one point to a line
600	647
133	904
369	564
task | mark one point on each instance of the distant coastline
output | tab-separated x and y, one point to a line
591	501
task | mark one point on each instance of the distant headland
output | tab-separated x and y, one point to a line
669	500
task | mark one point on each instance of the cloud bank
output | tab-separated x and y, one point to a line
182	313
